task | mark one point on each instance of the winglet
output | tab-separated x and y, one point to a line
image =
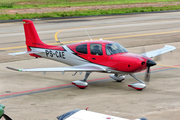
170	47
14	69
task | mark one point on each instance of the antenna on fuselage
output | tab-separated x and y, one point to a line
88	35
59	42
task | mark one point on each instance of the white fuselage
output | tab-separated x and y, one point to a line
66	56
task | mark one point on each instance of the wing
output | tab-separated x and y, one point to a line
25	52
81	68
165	49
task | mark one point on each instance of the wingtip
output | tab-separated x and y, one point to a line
14	69
11	54
170	46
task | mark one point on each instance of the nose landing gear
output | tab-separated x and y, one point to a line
138	86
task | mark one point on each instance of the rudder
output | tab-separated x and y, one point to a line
31	35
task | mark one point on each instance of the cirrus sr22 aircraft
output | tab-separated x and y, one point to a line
90	56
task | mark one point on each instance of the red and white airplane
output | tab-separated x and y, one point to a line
90	56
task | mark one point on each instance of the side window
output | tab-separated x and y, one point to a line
96	49
82	48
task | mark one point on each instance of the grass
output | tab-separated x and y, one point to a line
87	12
19	4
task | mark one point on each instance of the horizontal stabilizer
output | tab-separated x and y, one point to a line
25	52
13	68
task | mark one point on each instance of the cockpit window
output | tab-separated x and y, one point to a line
114	48
96	49
82	48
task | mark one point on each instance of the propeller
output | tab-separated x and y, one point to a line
157	58
149	63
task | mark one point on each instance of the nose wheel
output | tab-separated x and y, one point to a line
138	86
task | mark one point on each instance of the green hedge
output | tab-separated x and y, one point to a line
87	12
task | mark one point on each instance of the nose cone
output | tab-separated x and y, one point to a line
150	63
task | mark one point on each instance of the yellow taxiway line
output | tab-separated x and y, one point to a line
108	38
17	47
168	66
55	36
8	48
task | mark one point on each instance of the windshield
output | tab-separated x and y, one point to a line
114	48
68	114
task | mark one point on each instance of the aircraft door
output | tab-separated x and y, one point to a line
96	54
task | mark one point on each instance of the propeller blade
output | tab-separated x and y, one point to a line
147	76
143	51
157	58
149	63
6	117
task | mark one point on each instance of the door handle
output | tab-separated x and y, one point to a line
93	58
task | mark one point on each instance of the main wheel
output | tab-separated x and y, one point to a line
119	80
80	84
82	87
139	89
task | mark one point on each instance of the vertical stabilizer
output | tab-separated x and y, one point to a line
32	37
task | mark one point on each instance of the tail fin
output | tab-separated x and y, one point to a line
32	37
